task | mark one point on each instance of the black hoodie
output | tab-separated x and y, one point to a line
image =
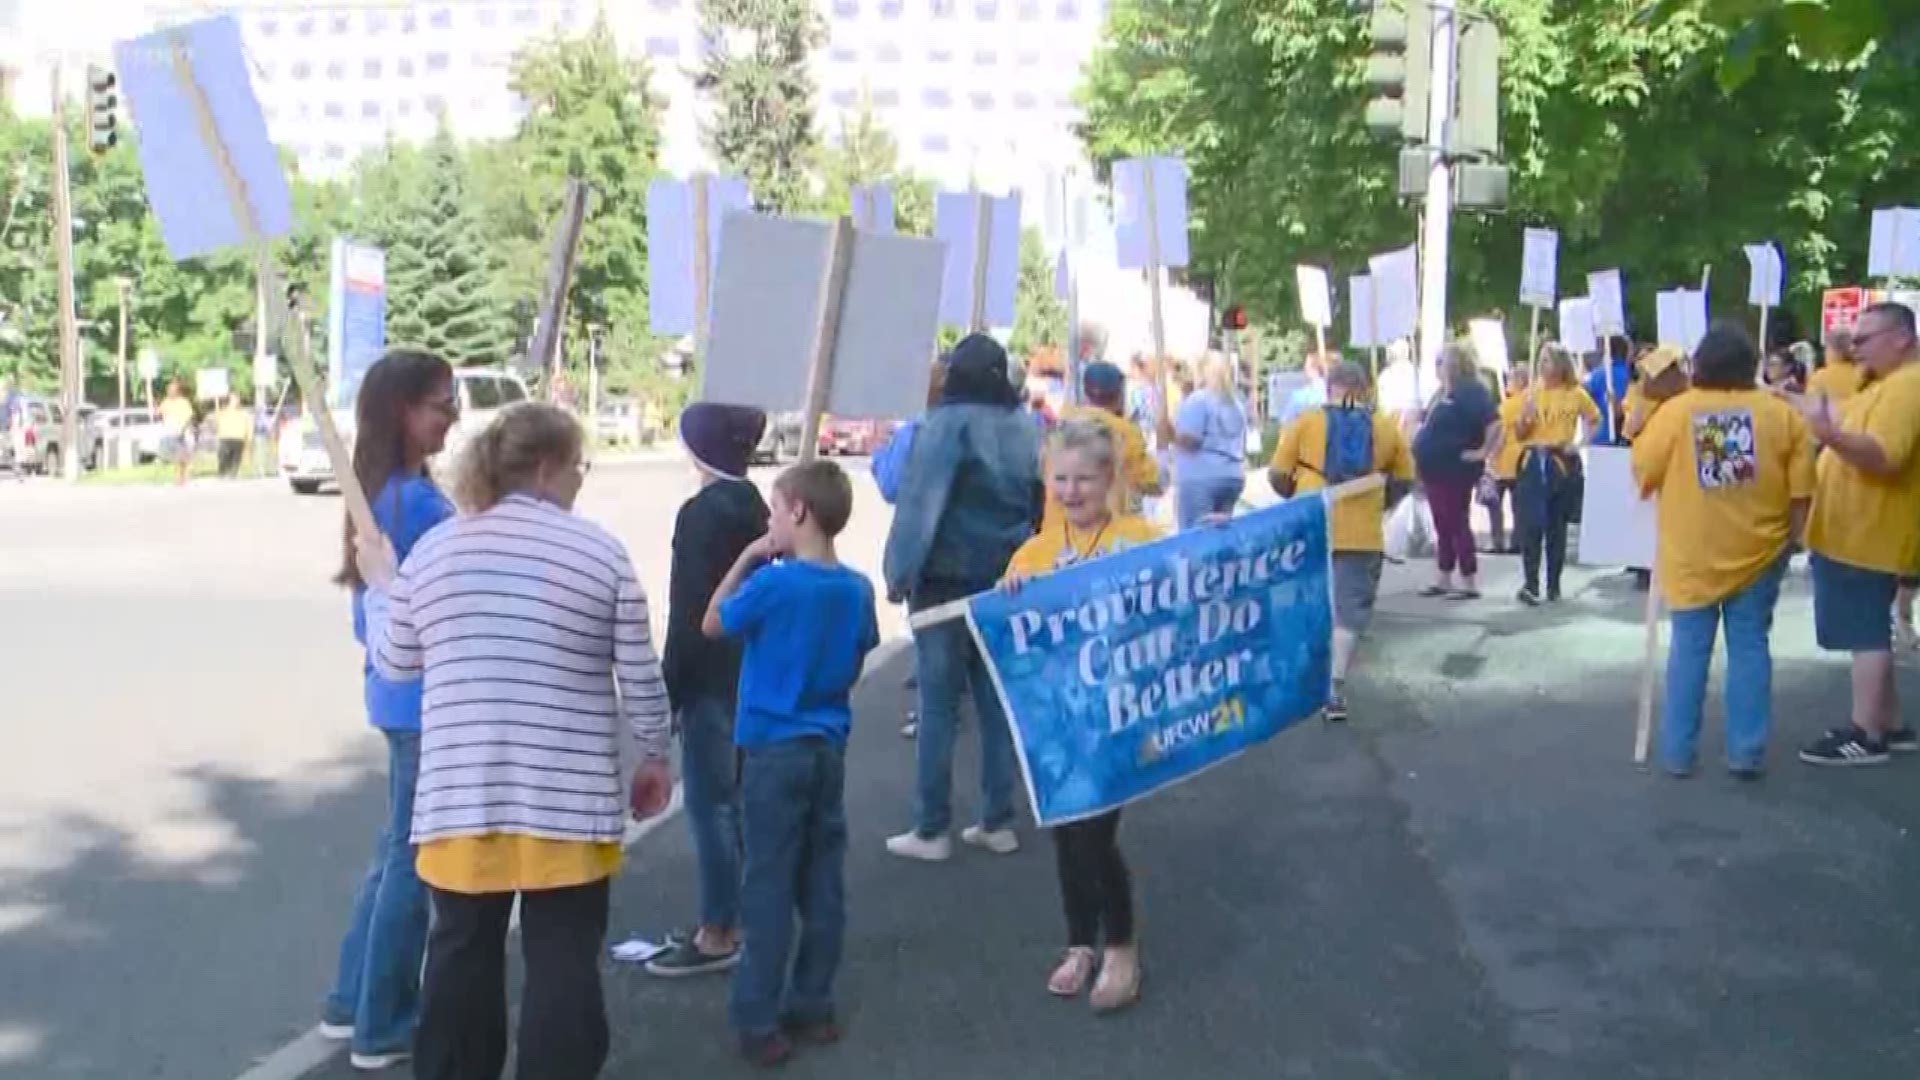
709	534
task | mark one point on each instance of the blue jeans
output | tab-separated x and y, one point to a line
949	662
1195	499
711	779
378	987
1749	694
793	795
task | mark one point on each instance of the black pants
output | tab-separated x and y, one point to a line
230	453
1545	502
1095	889
463	998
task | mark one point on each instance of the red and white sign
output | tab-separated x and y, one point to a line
1839	308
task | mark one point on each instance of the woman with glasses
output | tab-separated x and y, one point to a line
528	629
402	414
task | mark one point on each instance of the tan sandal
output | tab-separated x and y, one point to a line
1118	986
1073	973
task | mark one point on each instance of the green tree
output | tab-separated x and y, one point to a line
590	115
756	71
862	151
440	279
1039	317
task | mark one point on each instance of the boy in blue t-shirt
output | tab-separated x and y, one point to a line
807	624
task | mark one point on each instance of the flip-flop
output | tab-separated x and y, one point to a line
1432	591
1464	594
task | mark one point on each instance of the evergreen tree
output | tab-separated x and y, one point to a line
440	281
762	125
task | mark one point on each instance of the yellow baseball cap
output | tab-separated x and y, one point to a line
1656	363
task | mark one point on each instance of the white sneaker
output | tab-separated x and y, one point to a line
911	845
336	1032
376	1062
998	841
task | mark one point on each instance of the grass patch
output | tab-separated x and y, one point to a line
156	473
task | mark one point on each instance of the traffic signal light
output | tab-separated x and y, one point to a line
1234	318
1398	69
1478	131
102	104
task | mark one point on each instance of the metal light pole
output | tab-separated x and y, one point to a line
63	255
1438	211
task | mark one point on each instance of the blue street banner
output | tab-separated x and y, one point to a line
356	317
1133	672
193	103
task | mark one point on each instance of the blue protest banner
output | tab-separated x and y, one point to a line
356	317
193	103
1136	671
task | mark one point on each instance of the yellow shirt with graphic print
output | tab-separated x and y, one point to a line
1061	545
1727	466
1870	521
1353	524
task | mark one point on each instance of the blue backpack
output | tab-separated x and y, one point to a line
889	465
1349	443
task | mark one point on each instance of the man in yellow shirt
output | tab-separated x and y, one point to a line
176	419
1839	378
1105	390
233	426
1733	466
1306	462
1865	529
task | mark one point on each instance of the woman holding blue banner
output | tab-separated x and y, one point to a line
1095	889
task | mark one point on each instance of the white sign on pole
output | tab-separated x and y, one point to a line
1764	274
1396	293
1680	317
1489	337
767	299
1893	247
1617	526
210	384
149	364
954	222
266	370
1169	210
1539	267
1360	312
1316	301
670	241
1609	303
1576	325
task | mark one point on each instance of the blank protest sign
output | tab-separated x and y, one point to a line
766	313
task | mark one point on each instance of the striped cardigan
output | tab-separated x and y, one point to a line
531	633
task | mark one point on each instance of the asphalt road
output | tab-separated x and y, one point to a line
1468	881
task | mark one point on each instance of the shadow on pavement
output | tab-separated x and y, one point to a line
213	962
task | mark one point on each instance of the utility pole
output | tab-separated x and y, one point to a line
69	328
1438	210
124	285
259	343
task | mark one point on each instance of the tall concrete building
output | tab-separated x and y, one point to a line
973	90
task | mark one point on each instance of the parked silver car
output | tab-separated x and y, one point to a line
37	433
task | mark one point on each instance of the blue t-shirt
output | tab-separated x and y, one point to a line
1221	426
1621	374
807	629
407	509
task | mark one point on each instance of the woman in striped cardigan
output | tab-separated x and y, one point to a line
530	631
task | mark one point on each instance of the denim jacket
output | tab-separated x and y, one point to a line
970	498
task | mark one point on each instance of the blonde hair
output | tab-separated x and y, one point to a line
1458	362
510	454
1216	374
1556	366
1089	437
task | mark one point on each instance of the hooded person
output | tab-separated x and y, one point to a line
703	675
969	499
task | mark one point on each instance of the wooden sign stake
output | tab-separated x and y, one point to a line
982	250
1643	726
301	364
1533	349
702	266
833	294
1162	375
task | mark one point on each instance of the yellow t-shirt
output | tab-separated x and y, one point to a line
1839	380
233	424
509	862
1727	465
176	415
1139	473
1062	545
1506	465
1870	521
1557	416
1354	524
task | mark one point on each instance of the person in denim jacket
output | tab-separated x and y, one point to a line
970	498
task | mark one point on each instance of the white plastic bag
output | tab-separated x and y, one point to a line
1410	529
